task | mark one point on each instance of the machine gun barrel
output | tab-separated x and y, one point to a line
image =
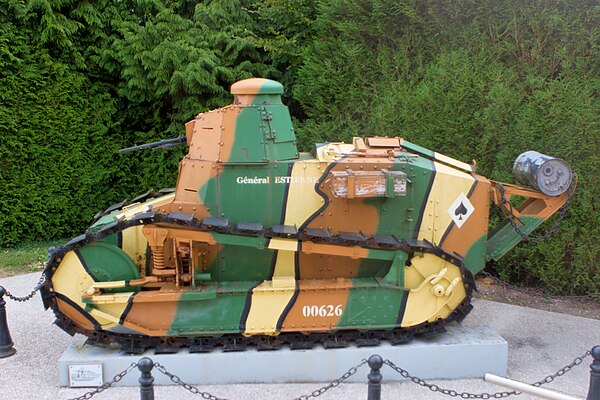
160	145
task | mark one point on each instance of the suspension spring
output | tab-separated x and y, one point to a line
158	255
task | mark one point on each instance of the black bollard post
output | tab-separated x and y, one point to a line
6	343
375	362
145	365
594	390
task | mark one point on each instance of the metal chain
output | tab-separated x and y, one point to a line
29	296
106	385
176	380
511	217
563	370
435	388
335	383
448	392
497	395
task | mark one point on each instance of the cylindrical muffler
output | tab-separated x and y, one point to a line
551	176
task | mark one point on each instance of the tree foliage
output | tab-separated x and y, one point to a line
482	80
54	128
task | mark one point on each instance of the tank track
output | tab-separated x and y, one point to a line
136	344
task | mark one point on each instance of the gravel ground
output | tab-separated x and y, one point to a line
540	343
490	288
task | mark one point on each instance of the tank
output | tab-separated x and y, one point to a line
262	245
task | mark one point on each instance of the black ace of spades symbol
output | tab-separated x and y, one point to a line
460	211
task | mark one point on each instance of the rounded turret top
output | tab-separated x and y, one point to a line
256	86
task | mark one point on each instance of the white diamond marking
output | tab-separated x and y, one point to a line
461	210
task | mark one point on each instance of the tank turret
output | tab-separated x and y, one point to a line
256	128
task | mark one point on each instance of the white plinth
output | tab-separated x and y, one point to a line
462	352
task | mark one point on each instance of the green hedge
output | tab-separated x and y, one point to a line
481	80
54	152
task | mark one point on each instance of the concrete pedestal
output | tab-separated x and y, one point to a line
462	352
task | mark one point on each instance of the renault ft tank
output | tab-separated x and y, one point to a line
262	245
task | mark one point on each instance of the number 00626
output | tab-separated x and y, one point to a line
326	310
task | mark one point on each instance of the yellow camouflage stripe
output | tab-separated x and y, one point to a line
448	184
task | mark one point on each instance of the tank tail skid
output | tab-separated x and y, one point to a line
530	214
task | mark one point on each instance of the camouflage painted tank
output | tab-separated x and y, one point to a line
260	244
